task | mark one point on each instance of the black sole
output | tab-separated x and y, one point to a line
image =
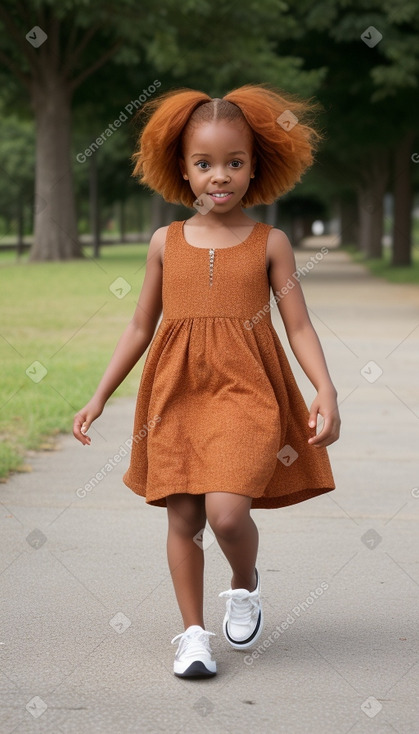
249	639
196	670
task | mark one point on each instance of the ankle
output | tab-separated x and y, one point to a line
192	622
249	583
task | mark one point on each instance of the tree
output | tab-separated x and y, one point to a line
47	59
52	48
69	42
393	75
371	112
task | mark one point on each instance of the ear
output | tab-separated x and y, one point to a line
253	165
182	167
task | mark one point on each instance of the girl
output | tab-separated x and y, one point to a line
220	424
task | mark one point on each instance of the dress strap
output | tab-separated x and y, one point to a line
173	233
261	234
174	229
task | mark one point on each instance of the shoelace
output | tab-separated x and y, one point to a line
241	605
194	641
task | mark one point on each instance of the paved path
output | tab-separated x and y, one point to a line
88	609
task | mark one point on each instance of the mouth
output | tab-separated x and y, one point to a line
220	195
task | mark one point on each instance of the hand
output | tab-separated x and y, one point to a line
84	418
326	404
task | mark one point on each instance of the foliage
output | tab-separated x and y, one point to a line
17	163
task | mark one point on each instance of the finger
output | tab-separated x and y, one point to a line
84	428
326	442
322	435
312	419
79	429
77	425
85	440
326	437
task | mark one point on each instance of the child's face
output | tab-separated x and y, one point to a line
217	158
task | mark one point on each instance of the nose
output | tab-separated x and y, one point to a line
220	174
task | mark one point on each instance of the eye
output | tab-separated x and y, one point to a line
202	163
239	163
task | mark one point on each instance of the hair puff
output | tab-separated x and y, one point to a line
283	136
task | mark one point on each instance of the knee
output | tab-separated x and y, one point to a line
225	526
186	518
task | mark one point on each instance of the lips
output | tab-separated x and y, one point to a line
220	196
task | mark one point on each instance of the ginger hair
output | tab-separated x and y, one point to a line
283	153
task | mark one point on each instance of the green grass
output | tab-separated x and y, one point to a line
382	268
64	316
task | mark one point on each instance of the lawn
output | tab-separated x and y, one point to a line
382	267
64	317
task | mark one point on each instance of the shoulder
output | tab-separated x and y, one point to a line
158	237
278	246
277	238
158	242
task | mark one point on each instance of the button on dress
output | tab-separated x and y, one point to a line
218	408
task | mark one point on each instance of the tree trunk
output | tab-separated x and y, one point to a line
94	205
348	220
20	226
271	213
308	226
156	219
55	224
370	223
140	224
371	190
162	213
122	221
297	231
403	201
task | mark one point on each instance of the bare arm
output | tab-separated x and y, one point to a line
133	342
303	338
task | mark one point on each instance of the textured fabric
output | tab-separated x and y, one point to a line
218	408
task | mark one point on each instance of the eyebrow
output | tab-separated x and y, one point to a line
207	155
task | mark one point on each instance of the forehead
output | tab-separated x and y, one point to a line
218	134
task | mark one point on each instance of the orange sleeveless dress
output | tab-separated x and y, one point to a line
218	408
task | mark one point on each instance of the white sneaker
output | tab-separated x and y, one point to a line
193	657
243	621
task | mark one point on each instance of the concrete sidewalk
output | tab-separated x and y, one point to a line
88	609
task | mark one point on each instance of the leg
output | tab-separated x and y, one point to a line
238	537
186	516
